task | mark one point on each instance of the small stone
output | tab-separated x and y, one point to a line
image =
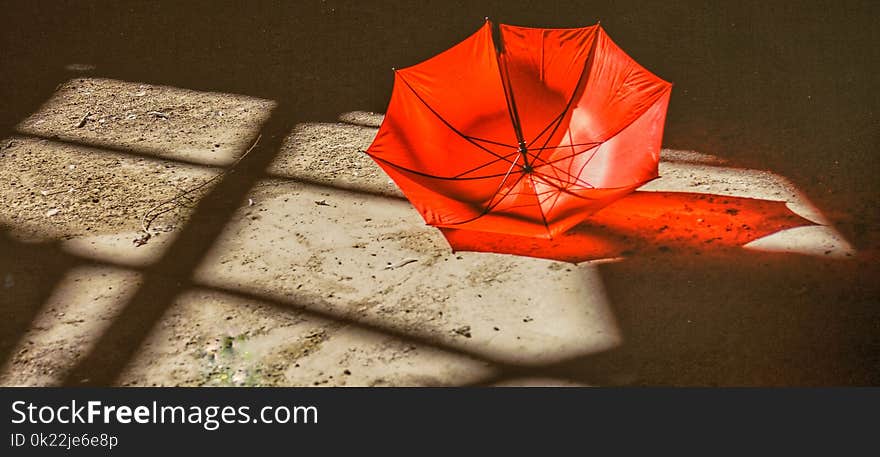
52	212
464	331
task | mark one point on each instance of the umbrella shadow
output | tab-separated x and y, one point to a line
645	222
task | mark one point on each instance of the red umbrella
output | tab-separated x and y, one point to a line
522	131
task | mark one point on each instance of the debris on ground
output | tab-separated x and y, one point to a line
142	239
393	266
83	120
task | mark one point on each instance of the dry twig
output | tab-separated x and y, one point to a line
172	203
82	122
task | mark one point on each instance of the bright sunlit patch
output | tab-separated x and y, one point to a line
819	240
118	249
209	128
61	189
341	258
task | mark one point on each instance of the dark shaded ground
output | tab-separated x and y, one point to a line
787	87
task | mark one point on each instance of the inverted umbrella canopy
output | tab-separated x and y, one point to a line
522	131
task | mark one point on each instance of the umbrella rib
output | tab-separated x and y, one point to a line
609	137
562	146
484	165
511	100
587	162
552	165
596	149
570	156
555	201
500	185
571	148
533	193
558	194
489	208
540	208
546	196
555	196
515	183
428	175
554	120
560	170
577	177
445	122
504	74
561	189
490	141
650	104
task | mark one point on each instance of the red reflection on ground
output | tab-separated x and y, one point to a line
646	222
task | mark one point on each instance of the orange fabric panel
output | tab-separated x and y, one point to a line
522	131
